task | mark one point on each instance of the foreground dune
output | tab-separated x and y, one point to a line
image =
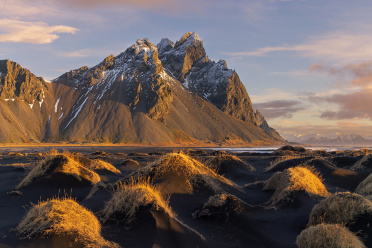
147	197
63	217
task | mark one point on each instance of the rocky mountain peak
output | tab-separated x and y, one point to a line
165	45
188	62
262	123
16	81
141	95
188	39
180	58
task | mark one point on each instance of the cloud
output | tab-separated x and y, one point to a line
290	132
359	73
279	108
151	5
22	8
351	105
31	32
87	52
338	47
272	93
93	3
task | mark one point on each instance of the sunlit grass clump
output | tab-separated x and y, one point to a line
327	236
224	163
66	218
295	179
340	208
128	198
62	164
282	160
226	202
98	164
181	169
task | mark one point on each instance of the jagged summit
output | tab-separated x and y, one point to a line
189	63
165	45
171	92
188	39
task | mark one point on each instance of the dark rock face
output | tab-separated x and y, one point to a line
261	122
139	96
188	62
16	81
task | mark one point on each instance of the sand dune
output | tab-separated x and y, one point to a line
167	198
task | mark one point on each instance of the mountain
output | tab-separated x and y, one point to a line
261	123
338	140
147	94
187	61
24	100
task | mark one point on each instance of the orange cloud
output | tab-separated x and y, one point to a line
279	108
352	105
31	32
361	73
90	3
336	47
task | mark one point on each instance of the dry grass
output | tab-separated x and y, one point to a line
224	163
340	208
365	187
63	217
227	202
184	169
295	179
328	236
281	159
128	198
360	164
66	165
98	164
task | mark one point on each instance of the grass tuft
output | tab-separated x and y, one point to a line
63	217
128	198
224	163
340	208
328	235
65	164
299	178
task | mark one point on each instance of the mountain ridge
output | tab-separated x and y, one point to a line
138	97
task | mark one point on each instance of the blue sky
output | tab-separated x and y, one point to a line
307	65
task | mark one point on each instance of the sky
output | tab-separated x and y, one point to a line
306	64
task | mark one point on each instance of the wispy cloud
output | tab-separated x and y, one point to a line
279	108
290	131
272	93
169	7
87	52
22	8
339	48
360	73
351	105
31	32
90	3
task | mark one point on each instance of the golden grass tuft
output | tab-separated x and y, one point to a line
327	236
128	198
340	208
63	217
282	159
299	178
183	169
98	164
66	165
223	163
226	201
